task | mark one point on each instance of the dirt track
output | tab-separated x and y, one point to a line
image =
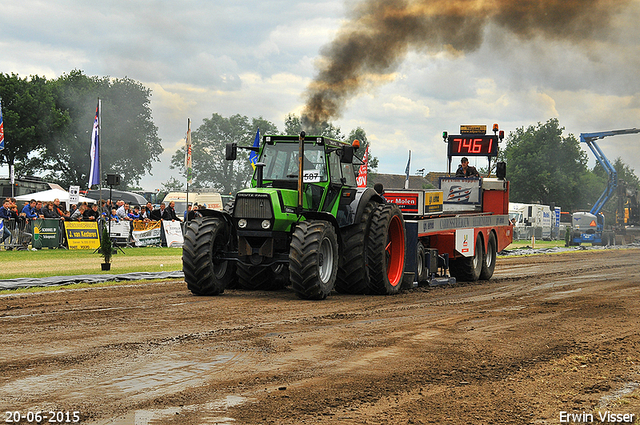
548	334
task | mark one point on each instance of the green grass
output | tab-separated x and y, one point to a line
59	262
538	244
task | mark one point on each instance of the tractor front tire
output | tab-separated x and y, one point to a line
313	259
205	241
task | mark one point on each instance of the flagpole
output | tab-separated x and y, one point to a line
188	164
100	149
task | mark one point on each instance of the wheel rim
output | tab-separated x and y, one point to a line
325	260
395	251
477	257
490	256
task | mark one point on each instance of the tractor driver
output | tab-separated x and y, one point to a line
466	170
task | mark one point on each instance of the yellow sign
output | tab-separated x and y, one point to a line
82	235
433	201
473	129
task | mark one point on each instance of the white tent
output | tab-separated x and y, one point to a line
51	194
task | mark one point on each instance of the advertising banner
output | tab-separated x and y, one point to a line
460	190
46	233
147	233
120	229
173	233
82	235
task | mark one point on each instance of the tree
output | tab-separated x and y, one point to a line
210	169
30	119
626	176
358	133
545	167
293	125
129	138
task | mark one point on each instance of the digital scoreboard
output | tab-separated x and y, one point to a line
473	145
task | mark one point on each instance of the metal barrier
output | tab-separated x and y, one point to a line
20	236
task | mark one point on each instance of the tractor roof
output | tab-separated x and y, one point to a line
321	140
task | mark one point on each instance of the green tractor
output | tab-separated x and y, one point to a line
303	221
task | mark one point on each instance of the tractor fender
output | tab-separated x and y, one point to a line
321	215
363	196
223	215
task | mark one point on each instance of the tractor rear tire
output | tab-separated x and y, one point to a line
489	262
353	275
205	240
259	278
386	250
468	269
313	259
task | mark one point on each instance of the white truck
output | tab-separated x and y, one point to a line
533	220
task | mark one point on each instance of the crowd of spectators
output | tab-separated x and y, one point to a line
20	217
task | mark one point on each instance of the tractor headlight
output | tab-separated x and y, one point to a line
242	223
266	224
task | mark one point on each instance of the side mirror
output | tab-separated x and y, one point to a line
346	154
501	170
231	151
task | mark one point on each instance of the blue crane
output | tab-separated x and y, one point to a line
590	225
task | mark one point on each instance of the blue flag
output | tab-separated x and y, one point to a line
1	129
94	174
406	182
253	156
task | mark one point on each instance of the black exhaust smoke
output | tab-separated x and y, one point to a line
379	34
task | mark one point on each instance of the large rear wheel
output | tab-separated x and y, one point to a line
313	259
353	276
205	241
386	250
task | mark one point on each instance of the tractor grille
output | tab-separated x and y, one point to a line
253	207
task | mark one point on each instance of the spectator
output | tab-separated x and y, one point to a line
157	214
146	213
169	212
187	211
39	209
135	214
121	210
5	216
91	213
29	209
60	209
114	215
78	214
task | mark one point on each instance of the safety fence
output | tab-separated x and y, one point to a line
53	233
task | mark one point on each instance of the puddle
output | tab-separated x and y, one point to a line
626	389
212	413
166	376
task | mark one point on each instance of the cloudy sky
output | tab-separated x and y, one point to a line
258	59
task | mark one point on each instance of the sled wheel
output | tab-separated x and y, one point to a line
467	269
489	263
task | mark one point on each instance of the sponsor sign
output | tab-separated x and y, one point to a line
173	233
464	242
119	229
460	190
82	235
46	233
146	234
407	201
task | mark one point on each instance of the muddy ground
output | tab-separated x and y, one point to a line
548	334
